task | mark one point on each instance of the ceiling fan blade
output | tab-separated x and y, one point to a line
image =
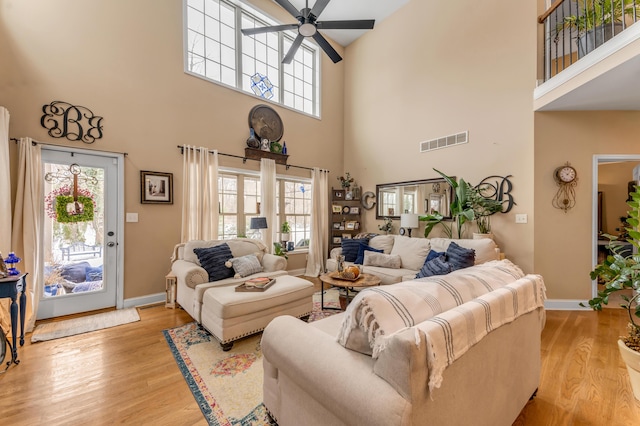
317	8
294	48
286	5
252	31
328	49
363	24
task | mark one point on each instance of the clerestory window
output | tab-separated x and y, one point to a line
216	50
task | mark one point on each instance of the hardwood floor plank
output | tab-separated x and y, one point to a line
127	375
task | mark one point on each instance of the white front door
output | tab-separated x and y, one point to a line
81	227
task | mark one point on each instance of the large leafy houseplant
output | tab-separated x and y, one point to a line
459	208
620	271
483	208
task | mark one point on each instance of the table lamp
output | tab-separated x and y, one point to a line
409	221
258	223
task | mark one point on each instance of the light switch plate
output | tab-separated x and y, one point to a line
521	218
132	217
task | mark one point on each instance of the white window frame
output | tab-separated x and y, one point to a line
285	72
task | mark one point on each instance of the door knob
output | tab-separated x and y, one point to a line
111	244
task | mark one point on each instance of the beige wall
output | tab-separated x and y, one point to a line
563	241
439	68
124	60
612	181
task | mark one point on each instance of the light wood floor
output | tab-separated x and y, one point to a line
127	375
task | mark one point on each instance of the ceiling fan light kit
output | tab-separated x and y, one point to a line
307	26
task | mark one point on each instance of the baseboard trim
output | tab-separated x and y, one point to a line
296	272
150	299
565	305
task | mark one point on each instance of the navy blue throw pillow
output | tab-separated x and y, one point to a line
94	273
435	266
363	247
460	257
350	248
75	272
212	259
432	255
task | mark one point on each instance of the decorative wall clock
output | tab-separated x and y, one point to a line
566	178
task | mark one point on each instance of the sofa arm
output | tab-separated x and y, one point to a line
190	273
335	253
338	379
272	263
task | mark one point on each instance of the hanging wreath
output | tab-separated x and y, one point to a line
59	205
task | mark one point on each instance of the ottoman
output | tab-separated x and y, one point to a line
230	315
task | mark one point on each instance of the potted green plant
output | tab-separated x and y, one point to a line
597	21
620	271
387	226
483	208
279	250
460	211
285	231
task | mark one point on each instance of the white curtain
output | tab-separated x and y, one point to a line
199	194
27	223
268	201
5	205
319	244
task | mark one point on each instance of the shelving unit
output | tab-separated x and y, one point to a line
345	215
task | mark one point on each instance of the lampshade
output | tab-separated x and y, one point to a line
409	220
258	223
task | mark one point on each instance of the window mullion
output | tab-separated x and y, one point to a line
281	54
239	36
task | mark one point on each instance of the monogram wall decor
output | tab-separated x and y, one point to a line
499	190
74	122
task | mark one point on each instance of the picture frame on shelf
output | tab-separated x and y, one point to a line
338	194
156	187
336	225
357	226
336	208
337	240
346	236
350	225
355	210
346	210
348	196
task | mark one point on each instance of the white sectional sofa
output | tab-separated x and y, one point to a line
413	252
475	361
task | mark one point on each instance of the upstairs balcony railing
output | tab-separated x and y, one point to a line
574	28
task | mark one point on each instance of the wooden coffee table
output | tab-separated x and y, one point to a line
364	280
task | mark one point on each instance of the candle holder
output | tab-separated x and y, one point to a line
11	261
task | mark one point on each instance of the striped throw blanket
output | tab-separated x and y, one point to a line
377	312
450	334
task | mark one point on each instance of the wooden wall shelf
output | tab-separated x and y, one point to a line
258	154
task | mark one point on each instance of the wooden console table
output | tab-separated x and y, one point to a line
10	287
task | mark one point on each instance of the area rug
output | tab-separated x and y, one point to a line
71	327
228	385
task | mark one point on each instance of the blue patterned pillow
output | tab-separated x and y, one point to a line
350	248
460	257
433	254
361	249
436	266
93	273
213	259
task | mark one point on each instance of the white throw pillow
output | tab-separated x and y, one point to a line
382	242
371	258
412	251
244	265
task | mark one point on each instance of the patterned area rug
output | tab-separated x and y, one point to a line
228	385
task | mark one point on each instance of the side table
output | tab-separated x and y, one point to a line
10	287
171	286
331	278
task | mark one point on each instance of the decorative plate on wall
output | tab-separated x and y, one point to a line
266	123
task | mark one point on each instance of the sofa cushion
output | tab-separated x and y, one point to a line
382	242
75	272
213	259
433	254
350	248
244	265
460	257
486	249
383	260
412	251
380	311
363	247
436	266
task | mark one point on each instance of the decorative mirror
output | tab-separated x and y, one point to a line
417	196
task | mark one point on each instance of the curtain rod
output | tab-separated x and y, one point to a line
244	160
34	143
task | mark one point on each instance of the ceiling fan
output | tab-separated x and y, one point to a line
307	26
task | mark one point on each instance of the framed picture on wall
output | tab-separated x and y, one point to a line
156	187
336	208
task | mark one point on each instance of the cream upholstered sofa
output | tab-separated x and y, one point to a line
193	280
311	378
412	253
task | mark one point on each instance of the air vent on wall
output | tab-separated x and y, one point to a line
444	142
